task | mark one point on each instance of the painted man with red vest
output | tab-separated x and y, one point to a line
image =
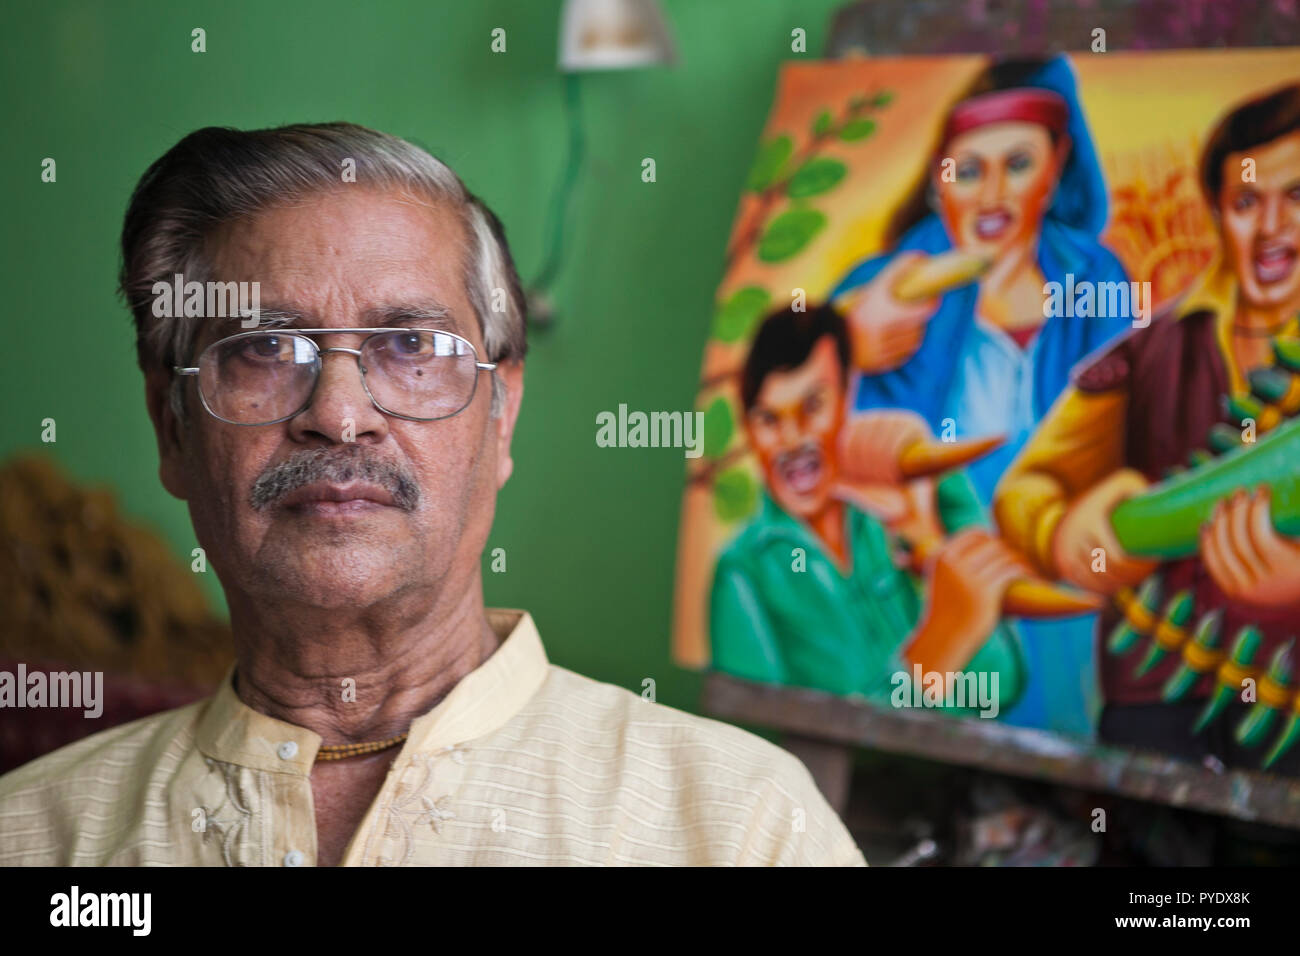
1146	403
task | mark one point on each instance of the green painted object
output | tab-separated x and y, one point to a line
1290	734
1244	650
1123	638
1165	521
1223	439
1253	728
1177	612
1288	353
1269	384
1184	678
1242	408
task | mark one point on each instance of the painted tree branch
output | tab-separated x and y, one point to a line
768	197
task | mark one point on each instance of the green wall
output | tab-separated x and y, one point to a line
590	533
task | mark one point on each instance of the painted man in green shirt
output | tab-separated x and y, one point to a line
814	591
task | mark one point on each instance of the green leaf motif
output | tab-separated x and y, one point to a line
719	426
770	162
736	318
788	233
814	177
883	98
822	124
735	494
857	129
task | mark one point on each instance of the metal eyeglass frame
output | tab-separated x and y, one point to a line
356	353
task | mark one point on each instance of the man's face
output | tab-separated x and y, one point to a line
794	426
1261	222
340	259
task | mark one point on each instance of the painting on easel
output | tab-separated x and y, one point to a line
1002	399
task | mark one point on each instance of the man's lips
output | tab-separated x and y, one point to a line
1274	262
801	470
331	498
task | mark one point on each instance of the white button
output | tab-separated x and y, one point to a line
287	750
293	858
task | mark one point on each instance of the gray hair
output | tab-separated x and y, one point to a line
216	175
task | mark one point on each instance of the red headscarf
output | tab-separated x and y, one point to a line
1026	105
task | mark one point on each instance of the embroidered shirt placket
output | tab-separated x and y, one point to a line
415	804
228	820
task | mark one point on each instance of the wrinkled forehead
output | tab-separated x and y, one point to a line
348	258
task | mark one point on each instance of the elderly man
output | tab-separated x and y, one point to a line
341	462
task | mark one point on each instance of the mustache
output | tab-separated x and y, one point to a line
324	464
803	448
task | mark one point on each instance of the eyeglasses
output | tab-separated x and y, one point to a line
269	375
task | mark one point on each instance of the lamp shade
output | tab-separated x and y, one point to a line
613	35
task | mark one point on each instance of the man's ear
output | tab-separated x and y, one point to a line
512	376
167	430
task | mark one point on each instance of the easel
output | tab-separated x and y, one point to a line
823	731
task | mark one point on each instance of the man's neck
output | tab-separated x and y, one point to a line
828	525
1262	320
363	675
1252	329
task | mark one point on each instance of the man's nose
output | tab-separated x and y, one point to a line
1271	221
341	410
791	430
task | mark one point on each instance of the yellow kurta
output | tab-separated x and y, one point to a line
522	763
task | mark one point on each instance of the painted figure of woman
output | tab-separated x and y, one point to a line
1013	180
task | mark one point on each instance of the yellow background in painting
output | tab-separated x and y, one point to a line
1134	102
1137	101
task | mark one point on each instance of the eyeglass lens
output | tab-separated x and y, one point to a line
267	376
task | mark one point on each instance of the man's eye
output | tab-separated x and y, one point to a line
1243	201
409	343
263	347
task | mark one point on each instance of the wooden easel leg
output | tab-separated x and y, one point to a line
830	764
